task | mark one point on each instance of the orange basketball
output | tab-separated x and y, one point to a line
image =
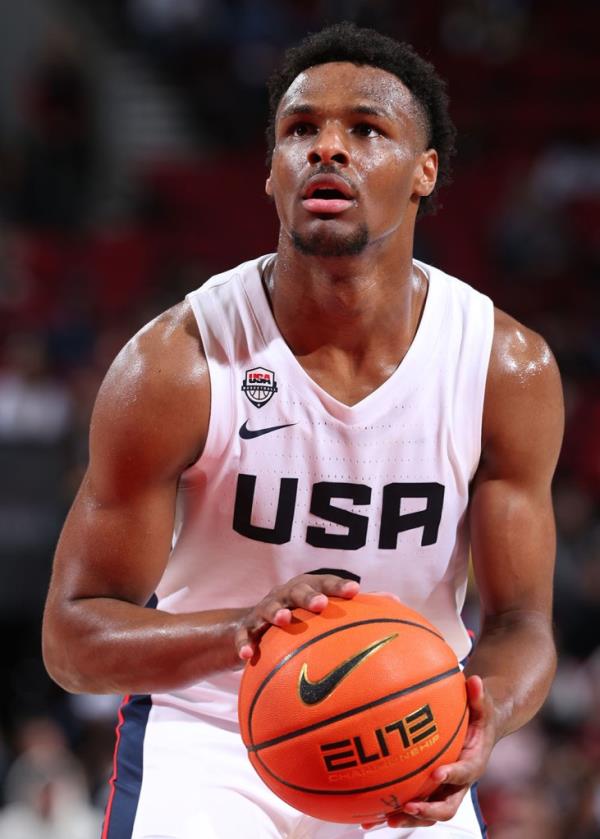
346	714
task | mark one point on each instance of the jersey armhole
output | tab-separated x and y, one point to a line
485	353
220	421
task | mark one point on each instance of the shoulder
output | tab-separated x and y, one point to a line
520	358
523	409
166	355
156	392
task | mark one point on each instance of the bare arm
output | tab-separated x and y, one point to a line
512	524
513	545
149	423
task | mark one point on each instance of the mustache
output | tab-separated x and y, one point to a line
332	169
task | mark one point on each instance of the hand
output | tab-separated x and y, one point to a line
309	591
455	779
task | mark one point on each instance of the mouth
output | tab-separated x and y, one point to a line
327	196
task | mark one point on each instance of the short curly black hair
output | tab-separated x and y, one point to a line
348	42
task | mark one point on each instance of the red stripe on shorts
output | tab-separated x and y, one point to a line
112	782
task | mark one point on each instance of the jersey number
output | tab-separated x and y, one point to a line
393	521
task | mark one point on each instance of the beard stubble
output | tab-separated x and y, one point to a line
326	244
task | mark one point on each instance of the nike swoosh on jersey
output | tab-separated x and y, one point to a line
247	433
313	692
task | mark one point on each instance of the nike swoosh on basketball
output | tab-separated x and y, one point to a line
247	433
313	692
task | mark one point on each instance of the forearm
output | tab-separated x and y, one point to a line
516	658
102	645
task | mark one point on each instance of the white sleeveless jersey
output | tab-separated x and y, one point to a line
292	480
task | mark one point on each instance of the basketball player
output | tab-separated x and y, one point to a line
337	407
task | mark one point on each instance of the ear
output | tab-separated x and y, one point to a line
426	173
268	187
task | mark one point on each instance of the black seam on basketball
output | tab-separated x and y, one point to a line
298	732
306	644
376	786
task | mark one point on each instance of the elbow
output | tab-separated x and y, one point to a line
62	652
53	655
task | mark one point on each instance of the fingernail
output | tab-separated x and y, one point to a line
397	821
412	809
319	601
246	652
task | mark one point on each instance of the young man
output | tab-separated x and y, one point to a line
338	405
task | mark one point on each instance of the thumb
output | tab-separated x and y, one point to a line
243	644
476	696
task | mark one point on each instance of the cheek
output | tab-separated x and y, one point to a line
389	177
288	160
286	176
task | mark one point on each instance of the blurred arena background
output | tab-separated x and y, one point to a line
132	168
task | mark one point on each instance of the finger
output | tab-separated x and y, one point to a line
248	635
246	652
276	608
471	759
308	592
459	774
406	820
275	613
399	819
476	697
272	610
334	586
282	617
243	644
307	596
438	809
302	594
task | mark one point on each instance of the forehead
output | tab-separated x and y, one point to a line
350	85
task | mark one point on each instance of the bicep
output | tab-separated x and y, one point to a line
148	424
115	546
511	515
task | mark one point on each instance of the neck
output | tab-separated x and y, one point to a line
351	303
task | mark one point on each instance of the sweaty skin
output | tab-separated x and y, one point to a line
349	319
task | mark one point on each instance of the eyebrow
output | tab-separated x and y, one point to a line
293	110
368	110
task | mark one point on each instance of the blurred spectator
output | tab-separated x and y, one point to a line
531	240
14	281
34	406
527	812
55	164
35	424
168	30
565	171
162	18
45	789
491	30
582	447
577	589
94	717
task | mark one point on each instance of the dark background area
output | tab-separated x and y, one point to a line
93	244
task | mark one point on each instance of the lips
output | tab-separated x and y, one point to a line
327	194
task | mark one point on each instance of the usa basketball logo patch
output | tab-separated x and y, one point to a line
259	385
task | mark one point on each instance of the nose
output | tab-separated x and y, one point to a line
329	147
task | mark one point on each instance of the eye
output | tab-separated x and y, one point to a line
301	129
365	129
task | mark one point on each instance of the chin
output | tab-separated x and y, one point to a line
331	244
